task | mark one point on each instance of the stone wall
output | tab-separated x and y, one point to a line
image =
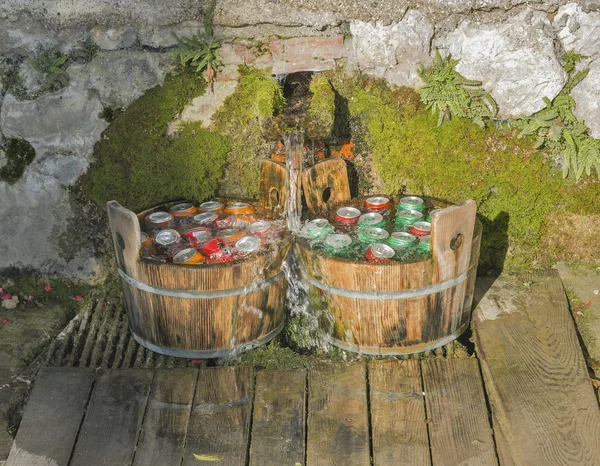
513	46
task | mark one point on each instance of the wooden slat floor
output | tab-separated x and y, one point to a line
526	401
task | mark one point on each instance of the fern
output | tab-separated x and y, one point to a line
54	67
557	129
449	94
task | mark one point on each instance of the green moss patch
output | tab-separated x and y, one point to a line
245	118
19	154
138	164
321	112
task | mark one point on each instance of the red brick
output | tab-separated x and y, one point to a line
308	48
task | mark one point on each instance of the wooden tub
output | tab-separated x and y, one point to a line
389	308
198	311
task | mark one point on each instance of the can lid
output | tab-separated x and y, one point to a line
211	205
317	224
184	255
425	239
412	201
404	237
205	217
382	251
259	227
371	218
376	233
181	207
167	237
248	244
410	214
348	212
228	232
238	205
144	237
423	226
159	217
338	241
377	200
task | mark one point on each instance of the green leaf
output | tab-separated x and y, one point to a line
208	457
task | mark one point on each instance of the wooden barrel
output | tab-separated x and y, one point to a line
388	308
206	311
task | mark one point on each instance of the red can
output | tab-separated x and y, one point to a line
420	229
197	236
377	203
347	215
379	252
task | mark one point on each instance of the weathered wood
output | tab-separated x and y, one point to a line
326	185
110	430
126	235
272	186
278	420
58	400
459	429
396	325
543	404
219	426
294	145
165	424
398	414
338	425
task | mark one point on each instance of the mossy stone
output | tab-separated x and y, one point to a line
321	112
19	154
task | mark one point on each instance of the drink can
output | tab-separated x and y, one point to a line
185	209
239	208
167	237
373	235
198	235
347	215
411	203
420	228
146	240
336	242
248	245
211	206
377	203
371	219
317	229
213	247
159	220
424	243
205	218
242	220
406	218
402	239
259	228
379	252
430	216
230	235
188	256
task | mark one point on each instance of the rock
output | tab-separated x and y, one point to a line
394	51
10	303
162	36
587	97
30	80
119	77
577	29
114	38
515	60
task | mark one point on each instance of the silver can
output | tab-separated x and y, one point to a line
260	227
337	241
382	251
205	218
167	237
212	206
248	244
375	233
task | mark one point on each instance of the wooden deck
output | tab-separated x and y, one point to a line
526	400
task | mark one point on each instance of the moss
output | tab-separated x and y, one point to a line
321	111
583	197
19	154
245	117
514	189
272	356
137	164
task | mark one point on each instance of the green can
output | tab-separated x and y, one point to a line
373	235
411	203
316	229
337	244
424	244
402	240
371	219
430	215
405	218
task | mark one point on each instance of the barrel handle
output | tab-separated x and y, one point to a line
126	235
451	240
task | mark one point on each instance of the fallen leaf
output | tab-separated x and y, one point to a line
595	291
197	361
76	298
578	314
583	305
208	457
106	303
596	383
5	321
428	421
29	299
47	288
5	296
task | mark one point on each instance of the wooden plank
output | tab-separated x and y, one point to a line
52	417
163	434
398	414
459	429
278	420
543	404
126	235
110	430
272	186
338	425
219	426
328	178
